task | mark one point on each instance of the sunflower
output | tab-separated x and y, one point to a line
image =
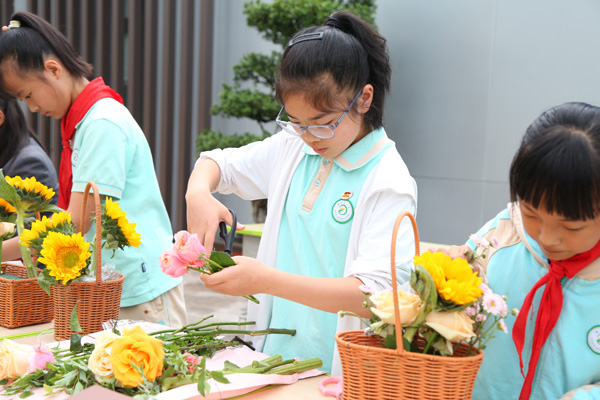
65	255
60	222
116	224
454	279
30	185
34	195
6	209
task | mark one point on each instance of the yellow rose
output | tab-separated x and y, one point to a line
99	361
14	359
454	326
408	303
135	346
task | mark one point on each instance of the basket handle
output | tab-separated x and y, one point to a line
399	344
92	185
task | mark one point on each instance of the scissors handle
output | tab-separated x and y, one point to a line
335	391
228	236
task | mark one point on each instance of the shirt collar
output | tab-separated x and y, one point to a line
361	152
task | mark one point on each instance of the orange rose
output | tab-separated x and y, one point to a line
144	351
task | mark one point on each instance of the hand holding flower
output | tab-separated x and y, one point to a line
248	275
188	253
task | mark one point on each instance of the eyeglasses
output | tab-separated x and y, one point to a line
320	131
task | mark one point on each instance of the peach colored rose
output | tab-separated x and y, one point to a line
453	326
14	359
171	264
144	351
99	361
408	303
6	228
187	246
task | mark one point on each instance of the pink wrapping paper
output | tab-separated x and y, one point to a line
239	383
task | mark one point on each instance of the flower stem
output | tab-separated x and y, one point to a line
25	251
433	337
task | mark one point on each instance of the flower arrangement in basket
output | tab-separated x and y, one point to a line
20	201
446	318
136	363
74	270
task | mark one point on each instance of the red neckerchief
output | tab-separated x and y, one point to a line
93	91
549	309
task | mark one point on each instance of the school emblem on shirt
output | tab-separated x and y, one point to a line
342	210
593	339
74	157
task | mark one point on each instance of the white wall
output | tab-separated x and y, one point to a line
468	77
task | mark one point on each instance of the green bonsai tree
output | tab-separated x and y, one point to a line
252	93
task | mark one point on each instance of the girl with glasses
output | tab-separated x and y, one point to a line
335	184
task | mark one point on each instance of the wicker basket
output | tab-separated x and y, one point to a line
99	301
370	371
22	301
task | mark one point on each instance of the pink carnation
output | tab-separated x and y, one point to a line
479	241
494	304
171	264
366	289
39	358
188	247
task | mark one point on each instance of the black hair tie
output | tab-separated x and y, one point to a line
334	23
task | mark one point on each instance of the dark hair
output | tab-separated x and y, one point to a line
14	132
557	167
35	39
350	52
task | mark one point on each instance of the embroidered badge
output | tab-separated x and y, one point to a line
593	339
347	195
342	211
74	157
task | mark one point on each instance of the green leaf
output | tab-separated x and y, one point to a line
7	192
25	394
223	259
74	322
75	343
45	281
390	342
218	376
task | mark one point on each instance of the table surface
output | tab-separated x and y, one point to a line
303	389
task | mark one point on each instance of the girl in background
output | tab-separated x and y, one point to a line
21	154
334	182
102	143
547	263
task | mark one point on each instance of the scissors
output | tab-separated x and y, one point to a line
228	236
335	391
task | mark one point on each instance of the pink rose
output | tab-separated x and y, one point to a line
171	264
39	358
188	247
191	360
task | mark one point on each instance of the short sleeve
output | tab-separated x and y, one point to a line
101	157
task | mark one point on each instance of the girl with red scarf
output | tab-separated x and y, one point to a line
101	143
547	263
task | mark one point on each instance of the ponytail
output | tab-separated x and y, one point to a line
348	51
28	45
